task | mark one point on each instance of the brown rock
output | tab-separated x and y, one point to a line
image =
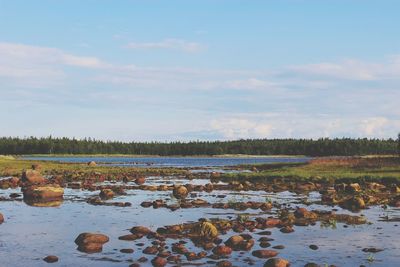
32	177
140	230
264	253
91	247
234	241
180	192
106	193
159	262
277	262
126	250
50	259
140	180
1	218
224	264
92	164
50	192
222	250
88	238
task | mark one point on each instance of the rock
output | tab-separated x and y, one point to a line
234	241
224	264
313	247
130	237
140	180
352	188
158	262
106	193
311	264
47	193
91	242
222	250
152	250
209	187
206	230
279	247
36	167
304	213
372	250
92	164
126	250
1	218
32	177
286	230
50	259
264	253
277	262
354	203
141	230
180	192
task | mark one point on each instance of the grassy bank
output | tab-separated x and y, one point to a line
10	166
326	169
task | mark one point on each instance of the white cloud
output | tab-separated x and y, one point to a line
352	69
170	43
282	125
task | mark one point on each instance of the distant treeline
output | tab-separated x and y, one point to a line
308	147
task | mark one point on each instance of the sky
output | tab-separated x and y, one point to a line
183	70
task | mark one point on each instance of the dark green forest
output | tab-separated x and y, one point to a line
308	147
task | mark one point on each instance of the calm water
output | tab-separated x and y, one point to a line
176	161
31	233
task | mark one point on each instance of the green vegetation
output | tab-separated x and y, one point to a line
386	169
14	167
320	147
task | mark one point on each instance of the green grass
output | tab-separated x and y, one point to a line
368	169
10	166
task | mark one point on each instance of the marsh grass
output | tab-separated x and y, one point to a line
378	169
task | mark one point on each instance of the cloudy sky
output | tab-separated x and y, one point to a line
209	69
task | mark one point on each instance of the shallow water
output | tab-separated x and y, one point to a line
175	161
31	233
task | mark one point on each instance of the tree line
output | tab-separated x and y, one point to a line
308	147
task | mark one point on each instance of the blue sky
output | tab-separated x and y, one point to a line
188	70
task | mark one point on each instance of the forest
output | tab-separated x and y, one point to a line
307	147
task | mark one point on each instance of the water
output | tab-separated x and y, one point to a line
178	162
31	233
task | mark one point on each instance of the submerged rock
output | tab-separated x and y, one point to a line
51	259
158	262
277	262
264	253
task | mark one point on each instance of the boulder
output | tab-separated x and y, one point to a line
234	241
277	262
43	193
92	163
159	262
180	192
264	253
50	259
140	180
222	250
141	230
1	218
91	242
106	193
32	177
205	230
